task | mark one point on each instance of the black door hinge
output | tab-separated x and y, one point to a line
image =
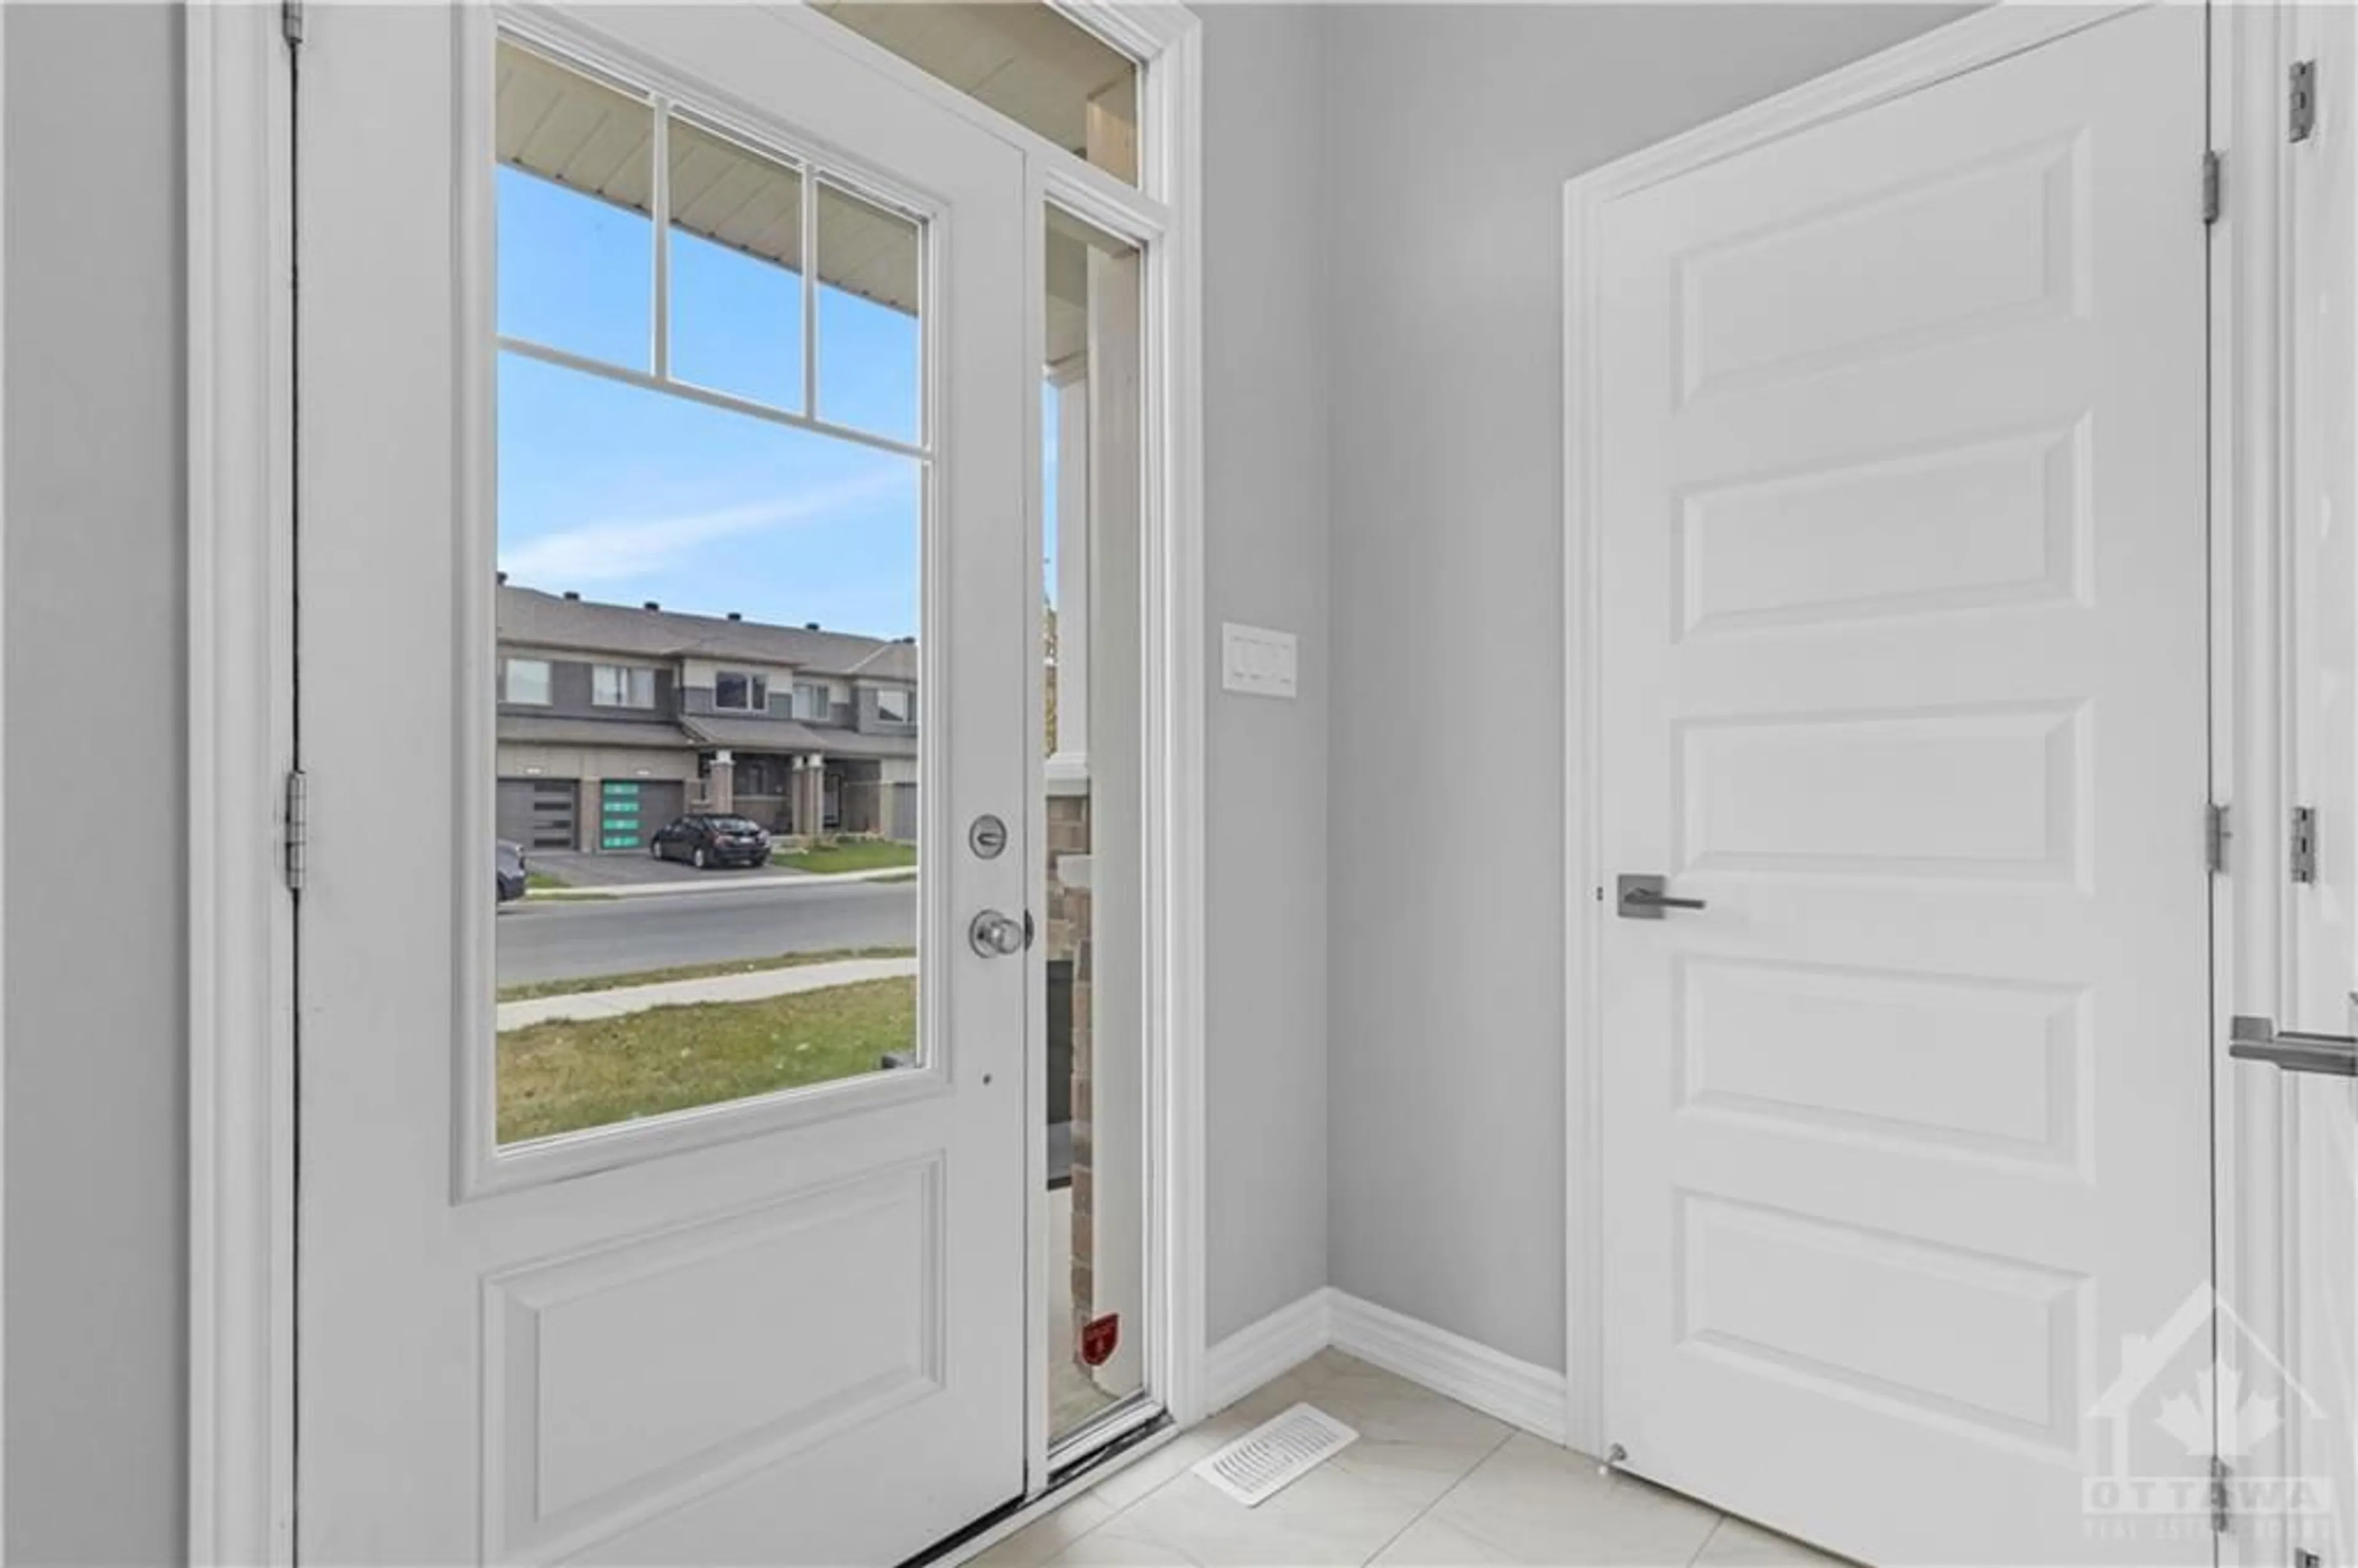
2303	859
2219	1517
2215	834
290	22
2301	101
2213	176
296	839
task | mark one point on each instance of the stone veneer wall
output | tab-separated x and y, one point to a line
1069	937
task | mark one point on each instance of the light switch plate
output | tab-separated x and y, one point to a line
1256	660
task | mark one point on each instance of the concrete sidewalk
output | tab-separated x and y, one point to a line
754	986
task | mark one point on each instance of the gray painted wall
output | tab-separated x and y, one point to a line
96	944
1450	131
1266	565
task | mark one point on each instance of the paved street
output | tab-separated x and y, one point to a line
557	940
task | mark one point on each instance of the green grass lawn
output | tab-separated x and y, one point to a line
694	972
851	855
540	880
563	1076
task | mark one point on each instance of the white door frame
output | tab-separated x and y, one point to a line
242	440
240	747
4	533
2250	49
2264	479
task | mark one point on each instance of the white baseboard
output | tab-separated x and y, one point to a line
1493	1383
1269	1348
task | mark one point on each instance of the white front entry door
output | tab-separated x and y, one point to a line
786	1327
1903	630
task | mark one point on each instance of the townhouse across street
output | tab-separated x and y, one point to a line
615	718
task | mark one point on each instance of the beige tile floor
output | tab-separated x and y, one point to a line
1429	1484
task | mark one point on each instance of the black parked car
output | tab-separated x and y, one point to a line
704	841
514	872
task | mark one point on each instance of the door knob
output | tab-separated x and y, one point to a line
1639	895
2294	1051
996	936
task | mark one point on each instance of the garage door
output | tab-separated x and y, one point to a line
538	813
630	810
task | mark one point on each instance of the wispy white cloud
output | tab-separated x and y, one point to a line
619	549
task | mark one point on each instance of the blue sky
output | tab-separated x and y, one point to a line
625	494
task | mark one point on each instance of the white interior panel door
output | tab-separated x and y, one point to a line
1904	610
786	1329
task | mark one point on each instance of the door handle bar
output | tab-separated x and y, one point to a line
2294	1051
1643	897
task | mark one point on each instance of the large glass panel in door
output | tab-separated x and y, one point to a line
708	724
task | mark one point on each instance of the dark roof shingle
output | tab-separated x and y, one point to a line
530	617
775	735
557	729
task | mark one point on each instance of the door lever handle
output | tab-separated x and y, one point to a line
1642	895
2294	1051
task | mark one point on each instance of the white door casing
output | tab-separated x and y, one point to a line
2318	1154
778	1331
1901	429
2319	215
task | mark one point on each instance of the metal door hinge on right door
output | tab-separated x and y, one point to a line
297	828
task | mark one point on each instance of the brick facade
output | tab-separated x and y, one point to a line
1069	939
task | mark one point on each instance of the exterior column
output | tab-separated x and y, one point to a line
1070	759
815	793
720	782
